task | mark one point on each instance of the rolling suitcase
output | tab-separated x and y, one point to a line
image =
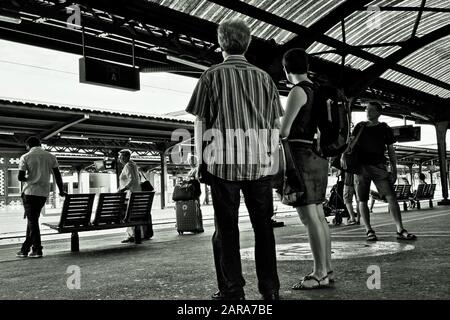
189	216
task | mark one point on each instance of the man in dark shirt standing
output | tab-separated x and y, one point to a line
371	148
237	100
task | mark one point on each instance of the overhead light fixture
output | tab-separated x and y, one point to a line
6	133
187	63
73	137
138	141
10	17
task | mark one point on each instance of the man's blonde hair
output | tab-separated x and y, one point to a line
234	36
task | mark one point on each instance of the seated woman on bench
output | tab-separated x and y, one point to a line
412	202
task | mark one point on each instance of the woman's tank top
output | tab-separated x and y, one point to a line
305	124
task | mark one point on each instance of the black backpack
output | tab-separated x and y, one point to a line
332	110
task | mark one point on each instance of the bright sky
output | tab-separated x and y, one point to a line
46	76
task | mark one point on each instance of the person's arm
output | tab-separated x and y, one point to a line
393	162
59	182
22	176
277	124
199	106
277	107
389	140
199	129
296	100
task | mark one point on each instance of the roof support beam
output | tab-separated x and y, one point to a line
379	45
419	17
409	155
375	71
344	49
411	9
270	18
66	40
92	22
327	22
61	127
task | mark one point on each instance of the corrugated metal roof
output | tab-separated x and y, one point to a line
432	60
415	83
362	27
304	12
91	111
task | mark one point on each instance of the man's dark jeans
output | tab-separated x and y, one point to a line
227	258
33	206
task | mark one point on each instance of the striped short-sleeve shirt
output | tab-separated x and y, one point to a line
240	104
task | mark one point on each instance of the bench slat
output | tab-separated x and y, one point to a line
77	209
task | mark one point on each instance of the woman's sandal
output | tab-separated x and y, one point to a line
301	285
351	222
405	235
330	275
371	236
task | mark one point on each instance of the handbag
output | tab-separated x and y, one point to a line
187	190
278	169
145	185
349	159
293	187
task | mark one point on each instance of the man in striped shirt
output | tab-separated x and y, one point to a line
240	106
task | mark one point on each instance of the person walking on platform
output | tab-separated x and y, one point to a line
35	168
374	139
299	126
231	98
349	193
129	181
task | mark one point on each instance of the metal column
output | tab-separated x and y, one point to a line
441	132
163	179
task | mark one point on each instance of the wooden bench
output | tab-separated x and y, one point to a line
402	192
112	212
424	192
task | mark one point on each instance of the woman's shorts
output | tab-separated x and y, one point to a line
314	171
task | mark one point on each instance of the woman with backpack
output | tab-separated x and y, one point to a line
299	126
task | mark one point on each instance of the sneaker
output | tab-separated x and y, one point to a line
128	240
35	254
21	254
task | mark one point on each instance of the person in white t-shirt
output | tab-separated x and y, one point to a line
35	168
129	181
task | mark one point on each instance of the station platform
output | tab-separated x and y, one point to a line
181	267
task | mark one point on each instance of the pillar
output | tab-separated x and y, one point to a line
118	167
411	174
441	132
431	171
448	173
163	179
80	181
